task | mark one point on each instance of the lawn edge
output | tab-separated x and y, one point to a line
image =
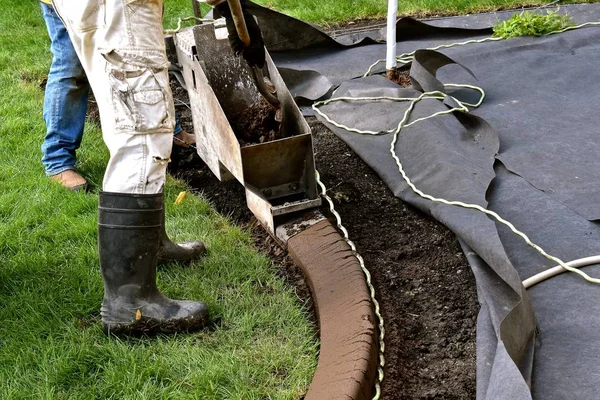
348	359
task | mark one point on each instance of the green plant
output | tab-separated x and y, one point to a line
528	23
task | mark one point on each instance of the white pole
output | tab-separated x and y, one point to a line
391	35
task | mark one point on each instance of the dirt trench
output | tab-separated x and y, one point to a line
423	282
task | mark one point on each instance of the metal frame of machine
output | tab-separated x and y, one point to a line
279	176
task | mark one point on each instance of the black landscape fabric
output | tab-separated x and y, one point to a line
530	153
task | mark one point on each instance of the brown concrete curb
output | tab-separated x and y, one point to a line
348	357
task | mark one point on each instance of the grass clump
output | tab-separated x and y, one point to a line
527	23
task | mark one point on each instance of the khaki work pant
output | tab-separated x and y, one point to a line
121	47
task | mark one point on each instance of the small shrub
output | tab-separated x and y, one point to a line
528	23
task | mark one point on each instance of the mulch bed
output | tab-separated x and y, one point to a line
423	282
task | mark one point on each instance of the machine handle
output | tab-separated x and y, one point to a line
256	73
239	21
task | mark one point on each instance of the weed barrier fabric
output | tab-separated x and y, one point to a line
339	64
451	157
314	63
530	153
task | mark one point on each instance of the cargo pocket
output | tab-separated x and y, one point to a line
139	91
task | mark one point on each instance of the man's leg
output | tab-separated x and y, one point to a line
120	45
65	105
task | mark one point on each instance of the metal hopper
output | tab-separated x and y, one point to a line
279	176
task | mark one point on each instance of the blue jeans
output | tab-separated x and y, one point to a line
66	99
65	102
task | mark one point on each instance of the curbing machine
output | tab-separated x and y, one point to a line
279	176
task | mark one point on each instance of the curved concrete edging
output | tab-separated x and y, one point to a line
348	359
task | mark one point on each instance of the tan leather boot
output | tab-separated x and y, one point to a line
71	180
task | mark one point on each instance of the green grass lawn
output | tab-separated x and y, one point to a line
51	343
335	11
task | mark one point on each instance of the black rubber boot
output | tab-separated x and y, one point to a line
129	233
180	252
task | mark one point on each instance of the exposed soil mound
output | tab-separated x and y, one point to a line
257	124
402	78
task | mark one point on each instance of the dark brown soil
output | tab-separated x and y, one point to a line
402	78
93	114
423	282
257	124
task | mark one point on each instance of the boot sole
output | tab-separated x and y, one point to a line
152	326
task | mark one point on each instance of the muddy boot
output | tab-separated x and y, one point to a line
180	252
129	231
